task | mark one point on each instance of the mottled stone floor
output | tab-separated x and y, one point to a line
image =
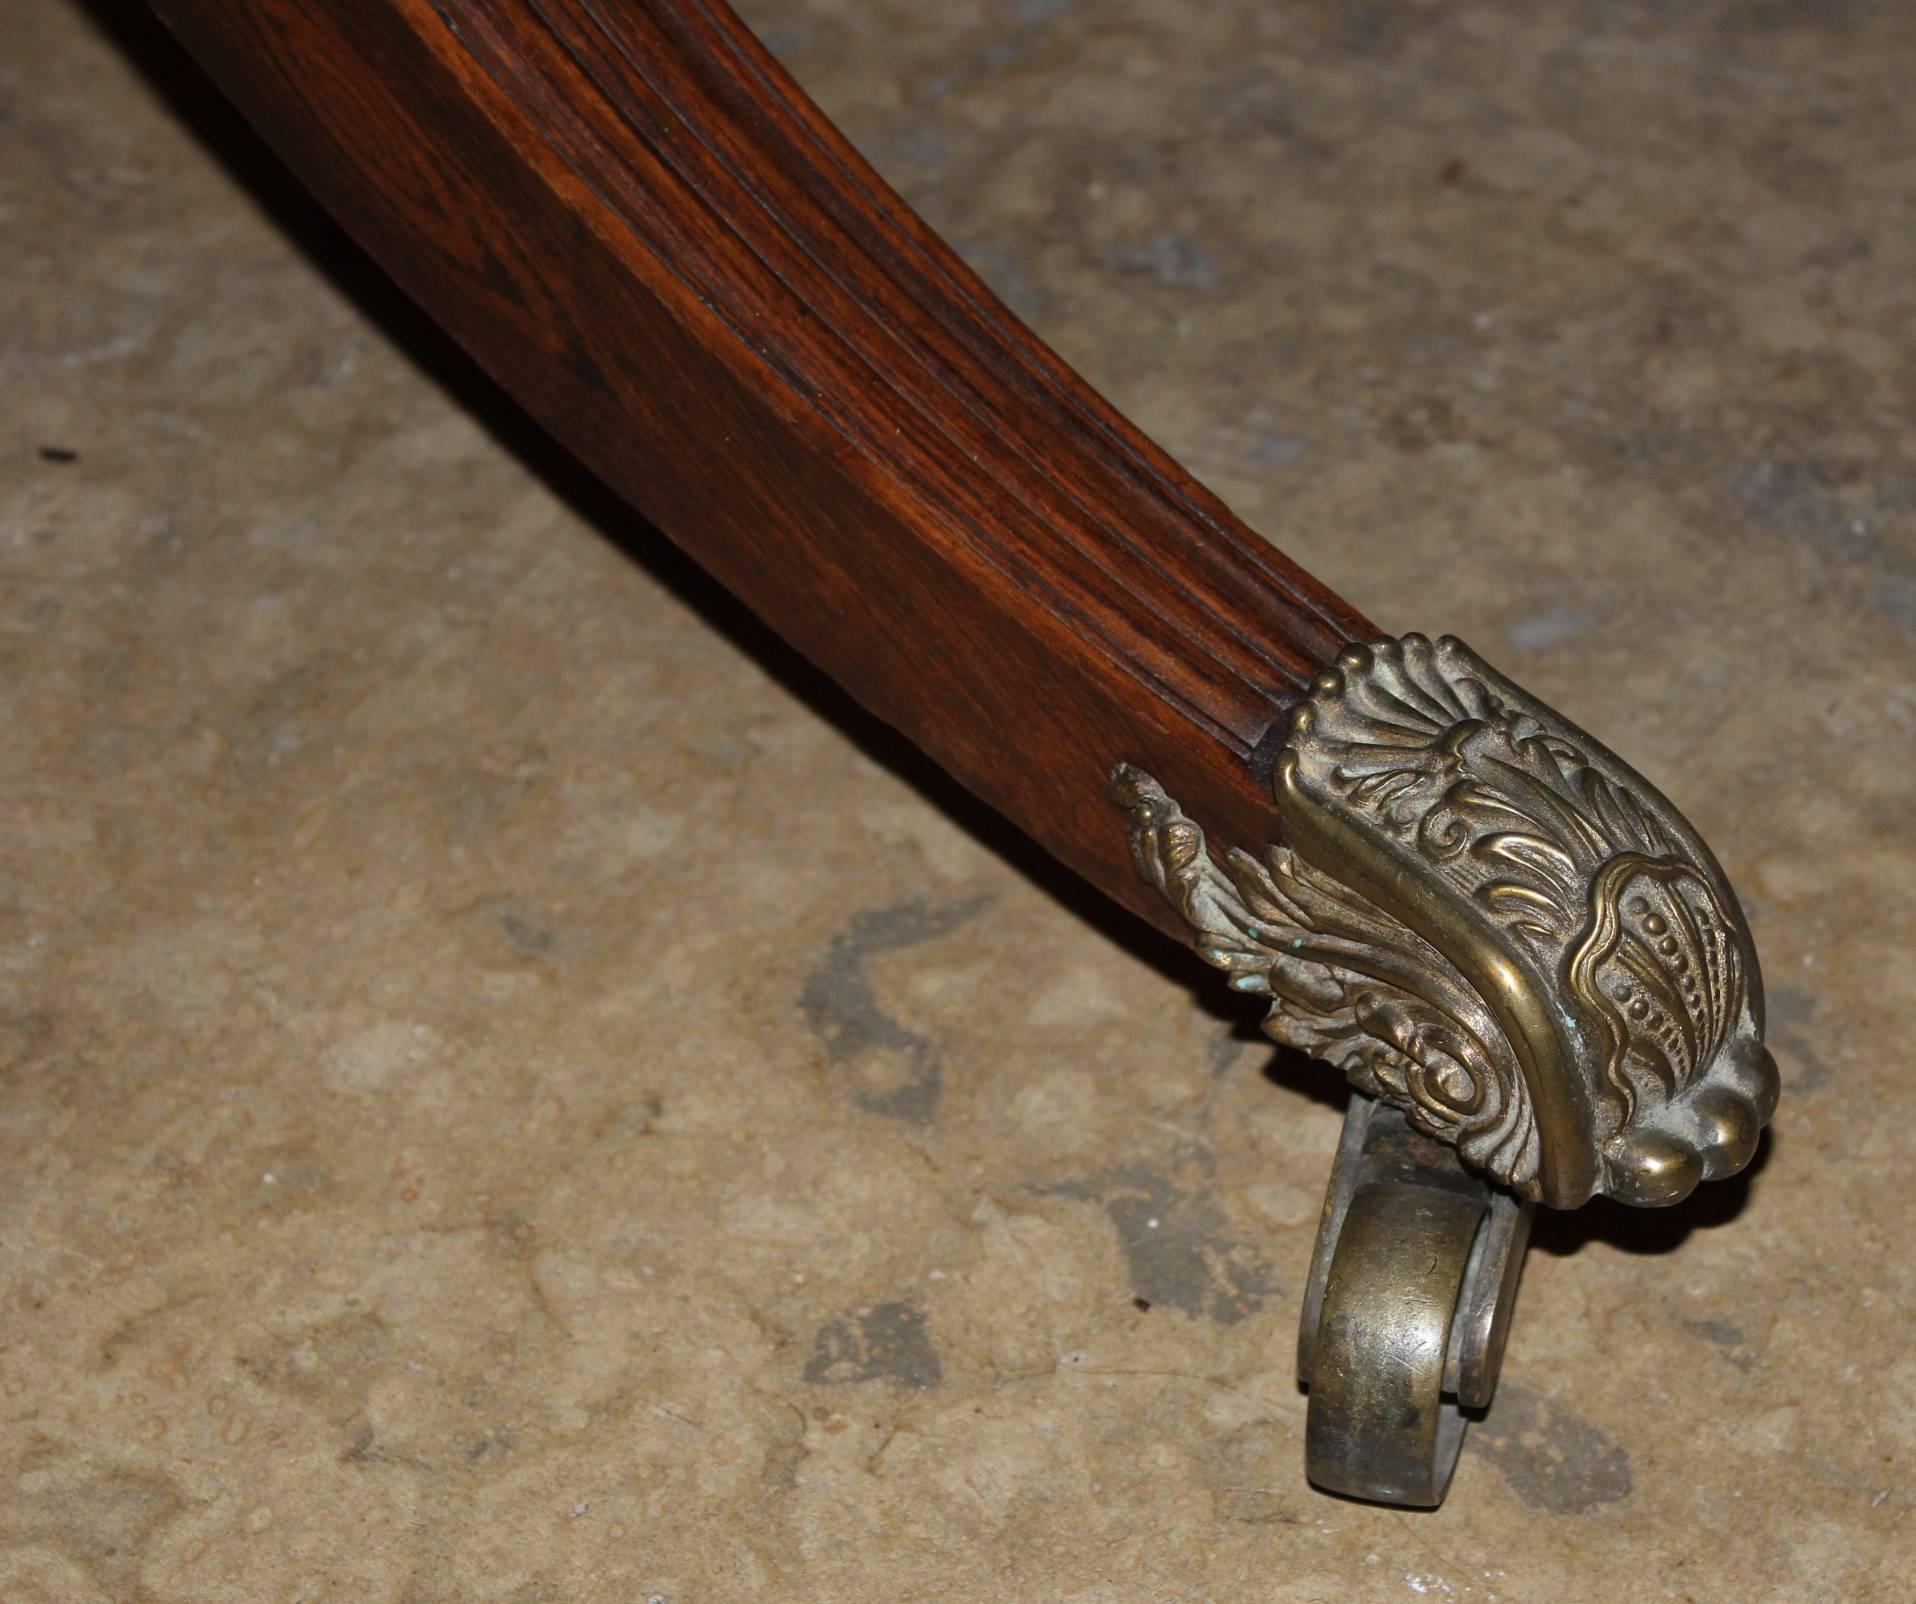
510	1090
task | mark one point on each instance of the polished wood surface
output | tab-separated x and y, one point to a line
637	222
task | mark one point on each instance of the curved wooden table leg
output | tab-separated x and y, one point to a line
636	221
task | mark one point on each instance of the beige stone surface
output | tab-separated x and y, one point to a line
510	1091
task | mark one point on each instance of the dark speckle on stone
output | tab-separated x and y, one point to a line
1176	261
1553	1459
1004	53
1794	1030
1835	505
1226	1050
1715	1330
1424	423
1031	18
844	1012
61	454
1142	1305
526	936
887	1342
1726	1336
1721	1332
1815	499
1274	449
1176	1246
1895	595
491	1443
926	146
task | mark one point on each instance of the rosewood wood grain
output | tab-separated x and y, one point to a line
636	221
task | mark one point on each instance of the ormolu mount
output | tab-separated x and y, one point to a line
1512	945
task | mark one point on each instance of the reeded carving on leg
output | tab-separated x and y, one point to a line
1486	917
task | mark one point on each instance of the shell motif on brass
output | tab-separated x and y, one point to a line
1485	917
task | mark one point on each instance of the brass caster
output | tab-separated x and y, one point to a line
1412	1283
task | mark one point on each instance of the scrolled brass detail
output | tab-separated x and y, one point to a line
1484	917
1347	983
